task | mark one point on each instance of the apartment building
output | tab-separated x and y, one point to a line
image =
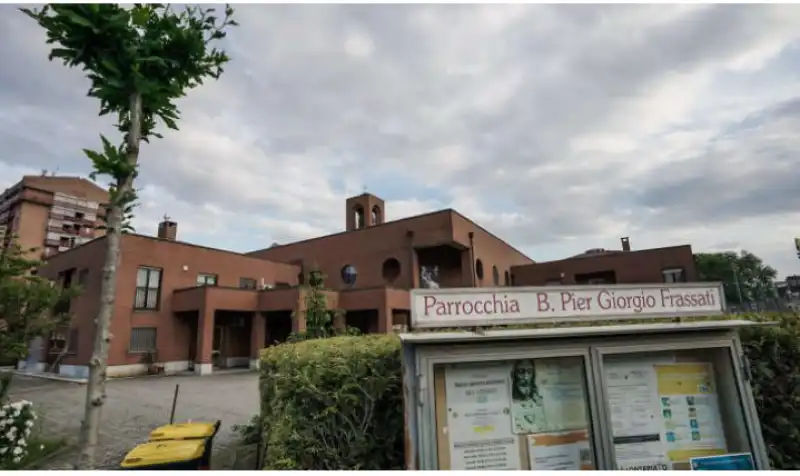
51	213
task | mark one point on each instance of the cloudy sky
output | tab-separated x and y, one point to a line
560	128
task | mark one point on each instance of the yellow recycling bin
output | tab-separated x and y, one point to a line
181	446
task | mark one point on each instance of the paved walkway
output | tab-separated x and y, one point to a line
136	406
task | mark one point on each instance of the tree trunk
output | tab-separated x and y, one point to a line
98	365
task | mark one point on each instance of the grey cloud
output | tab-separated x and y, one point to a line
500	87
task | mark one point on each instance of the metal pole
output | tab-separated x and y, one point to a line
174	404
738	288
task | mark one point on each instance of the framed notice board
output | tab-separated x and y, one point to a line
623	397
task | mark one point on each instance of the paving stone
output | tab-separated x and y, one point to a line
137	406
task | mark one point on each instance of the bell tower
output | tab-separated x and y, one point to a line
363	211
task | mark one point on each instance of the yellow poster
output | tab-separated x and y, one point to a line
690	413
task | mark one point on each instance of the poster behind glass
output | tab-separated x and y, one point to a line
522	414
663	412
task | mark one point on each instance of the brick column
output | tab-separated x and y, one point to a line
384	320
299	313
205	339
258	337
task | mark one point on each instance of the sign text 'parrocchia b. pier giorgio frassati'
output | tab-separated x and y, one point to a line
520	305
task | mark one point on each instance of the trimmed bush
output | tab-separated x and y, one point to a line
774	355
336	404
333	404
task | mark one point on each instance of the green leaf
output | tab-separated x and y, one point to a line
77	19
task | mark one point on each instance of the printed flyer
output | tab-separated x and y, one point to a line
565	451
548	395
635	422
478	418
663	414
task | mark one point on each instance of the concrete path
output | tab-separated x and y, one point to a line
137	406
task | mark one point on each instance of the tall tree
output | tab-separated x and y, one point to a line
140	61
30	306
745	276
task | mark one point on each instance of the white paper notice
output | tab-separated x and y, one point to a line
635	419
565	451
478	418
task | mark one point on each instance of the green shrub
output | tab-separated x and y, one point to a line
774	355
333	404
336	404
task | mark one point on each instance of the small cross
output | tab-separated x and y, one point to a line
166	217
365	189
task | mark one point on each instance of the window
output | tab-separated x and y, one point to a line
495	276
148	288
63	241
143	339
61	338
391	270
376	215
349	274
247	283
359	217
206	279
479	268
79	216
674	275
83	277
507	278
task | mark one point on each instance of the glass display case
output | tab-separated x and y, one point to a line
631	397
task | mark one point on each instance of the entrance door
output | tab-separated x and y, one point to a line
217	347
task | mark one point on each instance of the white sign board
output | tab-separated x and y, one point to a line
465	307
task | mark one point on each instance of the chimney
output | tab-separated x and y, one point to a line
167	229
626	244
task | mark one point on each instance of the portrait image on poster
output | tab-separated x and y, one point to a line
548	395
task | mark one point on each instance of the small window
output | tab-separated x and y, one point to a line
674	275
376	215
391	270
143	339
66	227
79	216
349	274
247	283
61	338
507	279
63	241
83	276
206	279
495	276
479	268
148	288
359	217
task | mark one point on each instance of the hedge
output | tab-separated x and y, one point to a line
336	404
333	404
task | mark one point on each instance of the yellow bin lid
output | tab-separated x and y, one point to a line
164	452
183	431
